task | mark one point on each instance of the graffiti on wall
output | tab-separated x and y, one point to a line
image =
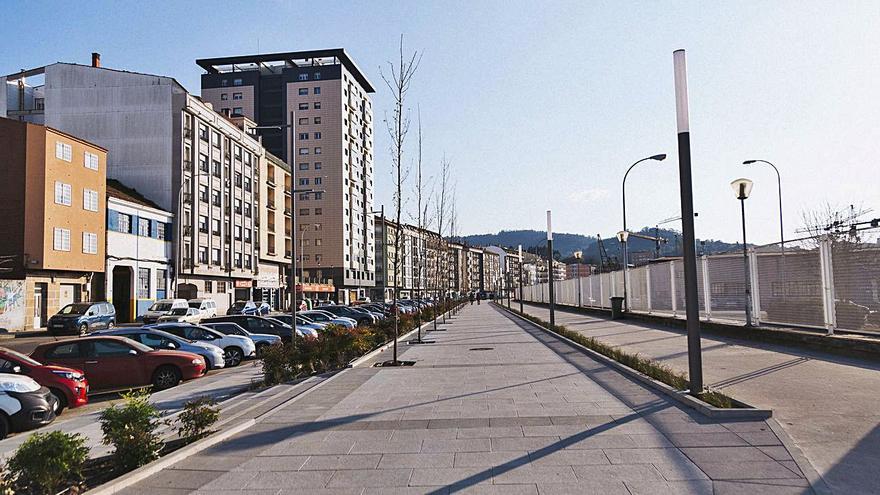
12	305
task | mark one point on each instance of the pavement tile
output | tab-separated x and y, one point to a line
491	432
620	472
568	458
726	439
692	487
604	442
523	444
270	491
273	463
760	438
524	489
489	459
370	478
387	447
680	470
451	476
763	487
340	462
434	460
458	423
534	474
738	470
297	479
210	463
777	453
458	445
644	456
228	481
520	421
595	487
723	454
360	436
309	447
181	479
417	435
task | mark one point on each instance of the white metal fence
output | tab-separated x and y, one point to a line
829	284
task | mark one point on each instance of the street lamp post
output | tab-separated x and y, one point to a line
519	249
550	271
779	193
742	188
659	158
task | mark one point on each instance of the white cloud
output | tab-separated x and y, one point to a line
588	195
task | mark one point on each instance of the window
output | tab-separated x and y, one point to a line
217	169
144	227
62	239
237	179
215	197
303	77
62	193
238	206
303	121
317	105
236	96
203	193
203	224
221	286
247	261
224	82
123	223
318	211
317	90
215	256
317	150
247	185
317	135
317	76
236	82
247	211
318	181
317	120
203	254
303	106
237	232
317	258
317	227
109	348
237	111
317	165
303	91
238	260
318	242
303	211
90	200
203	132
319	195
90	160
144	283
303	166
63	151
215	139
224	96
303	136
303	151
215	226
203	163
304	182
90	243
160	230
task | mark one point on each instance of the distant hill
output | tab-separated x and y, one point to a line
566	244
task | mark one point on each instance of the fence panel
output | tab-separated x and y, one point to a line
790	284
679	288
727	287
595	291
638	289
661	289
856	265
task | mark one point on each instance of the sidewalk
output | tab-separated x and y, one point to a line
826	403
494	406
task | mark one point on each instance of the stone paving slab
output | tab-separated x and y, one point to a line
540	418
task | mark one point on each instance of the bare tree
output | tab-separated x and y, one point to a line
398	79
441	213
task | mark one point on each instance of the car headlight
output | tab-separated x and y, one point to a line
69	375
197	361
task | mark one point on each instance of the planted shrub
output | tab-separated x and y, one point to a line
278	365
197	417
131	429
46	463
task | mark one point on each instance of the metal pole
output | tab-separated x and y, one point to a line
293	249
692	305
748	282
520	279
550	271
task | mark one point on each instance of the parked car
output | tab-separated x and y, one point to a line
243	308
82	318
319	316
301	321
261	340
236	348
303	329
207	307
24	404
359	317
159	340
116	363
256	324
162	307
69	386
182	315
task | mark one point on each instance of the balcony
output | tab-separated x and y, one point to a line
270	205
188	165
187	133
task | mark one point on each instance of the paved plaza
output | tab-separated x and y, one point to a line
494	406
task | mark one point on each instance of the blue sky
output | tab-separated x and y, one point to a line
543	105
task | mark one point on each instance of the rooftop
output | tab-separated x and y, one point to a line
116	189
308	58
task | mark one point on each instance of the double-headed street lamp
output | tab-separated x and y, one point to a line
622	238
742	188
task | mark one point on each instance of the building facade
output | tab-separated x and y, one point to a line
314	110
418	254
52	215
139	252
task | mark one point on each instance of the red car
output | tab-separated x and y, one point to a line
68	385
116	363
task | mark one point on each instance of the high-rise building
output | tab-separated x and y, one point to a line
313	109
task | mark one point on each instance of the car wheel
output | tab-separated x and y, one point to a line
166	377
60	400
233	356
4	426
110	325
84	329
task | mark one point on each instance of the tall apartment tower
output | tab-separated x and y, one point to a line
313	109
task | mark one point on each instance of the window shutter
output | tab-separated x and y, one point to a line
112	220
154	229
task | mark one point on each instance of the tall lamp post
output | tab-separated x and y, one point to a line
519	250
742	188
659	158
550	271
779	193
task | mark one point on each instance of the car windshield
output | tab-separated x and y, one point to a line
160	306
22	357
195	304
75	309
178	311
239	304
177	338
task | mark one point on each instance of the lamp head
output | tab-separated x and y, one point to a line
749	162
742	188
622	236
659	158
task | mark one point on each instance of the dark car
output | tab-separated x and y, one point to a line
68	385
24	404
362	317
115	363
256	324
82	318
243	308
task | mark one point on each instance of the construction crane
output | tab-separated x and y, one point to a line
605	261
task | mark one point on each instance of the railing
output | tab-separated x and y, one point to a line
814	283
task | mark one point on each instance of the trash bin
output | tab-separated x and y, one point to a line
616	308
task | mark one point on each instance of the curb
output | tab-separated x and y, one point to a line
746	413
366	357
817	483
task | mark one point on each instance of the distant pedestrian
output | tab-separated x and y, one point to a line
471	297
479	297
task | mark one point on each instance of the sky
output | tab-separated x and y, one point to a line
544	105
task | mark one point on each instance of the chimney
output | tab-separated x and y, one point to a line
96	59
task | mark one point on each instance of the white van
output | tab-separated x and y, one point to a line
161	308
207	306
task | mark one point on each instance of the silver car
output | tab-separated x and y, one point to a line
157	339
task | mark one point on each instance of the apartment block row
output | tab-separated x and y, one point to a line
177	195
